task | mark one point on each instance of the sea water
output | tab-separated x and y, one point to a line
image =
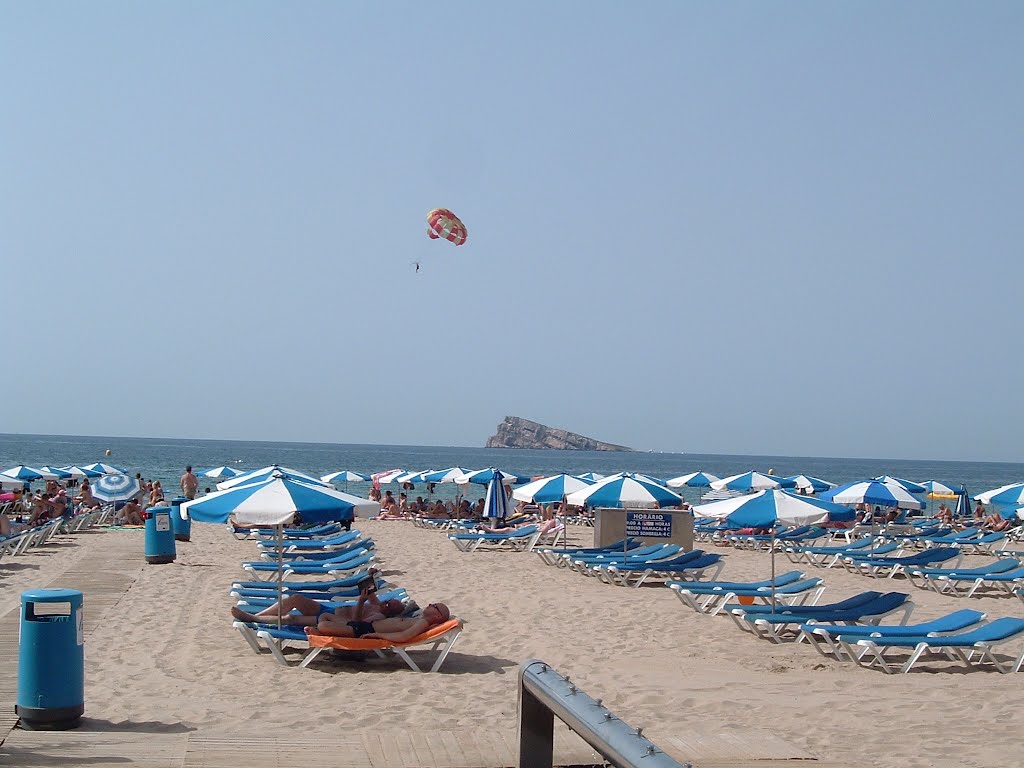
165	459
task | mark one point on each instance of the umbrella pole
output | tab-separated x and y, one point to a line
773	569
280	573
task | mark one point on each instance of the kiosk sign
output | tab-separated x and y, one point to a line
649	525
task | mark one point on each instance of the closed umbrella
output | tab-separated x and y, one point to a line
112	488
495	500
769	508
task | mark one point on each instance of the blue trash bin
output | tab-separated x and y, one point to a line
159	535
51	660
182	525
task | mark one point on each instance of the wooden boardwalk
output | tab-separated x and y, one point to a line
105	581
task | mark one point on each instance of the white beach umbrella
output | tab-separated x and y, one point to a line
345	476
935	488
810	484
444	475
986	497
387	476
593	477
52	473
907	485
874	493
220	473
106	469
23	473
751	481
111	488
80	472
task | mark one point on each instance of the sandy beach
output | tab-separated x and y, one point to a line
167	658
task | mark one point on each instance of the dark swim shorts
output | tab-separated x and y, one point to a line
360	628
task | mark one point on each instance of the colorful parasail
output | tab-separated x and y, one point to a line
442	223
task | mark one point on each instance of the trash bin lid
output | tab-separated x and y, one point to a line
51	596
178	500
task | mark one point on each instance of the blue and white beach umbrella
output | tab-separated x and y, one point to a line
874	493
444	475
80	472
111	488
345	476
483	477
751	481
1009	497
548	490
810	484
626	491
935	488
771	507
963	503
907	485
220	473
106	469
986	497
593	477
275	500
258	475
693	480
52	473
495	500
23	473
387	476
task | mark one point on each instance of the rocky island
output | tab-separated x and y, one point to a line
514	432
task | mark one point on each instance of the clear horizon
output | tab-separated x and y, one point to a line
791	228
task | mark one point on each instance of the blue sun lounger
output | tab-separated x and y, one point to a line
860	609
326	585
327	600
827	556
966	581
887	567
517	540
323	556
313	544
353	562
684	565
839	641
641	555
712	597
556	556
973	648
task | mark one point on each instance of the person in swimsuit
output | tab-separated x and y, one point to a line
397	629
312	612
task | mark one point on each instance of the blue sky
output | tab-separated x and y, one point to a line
721	228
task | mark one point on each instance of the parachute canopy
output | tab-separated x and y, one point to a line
443	223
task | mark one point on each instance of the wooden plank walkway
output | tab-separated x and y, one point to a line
105	580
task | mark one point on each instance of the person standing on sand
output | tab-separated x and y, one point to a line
189	484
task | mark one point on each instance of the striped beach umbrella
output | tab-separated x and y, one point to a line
23	473
751	481
640	476
266	473
693	480
483	477
275	500
387	476
495	500
52	473
444	475
935	488
80	472
907	485
220	473
1009	497
548	490
874	493
591	476
345	476
810	484
106	469
111	488
986	497
626	491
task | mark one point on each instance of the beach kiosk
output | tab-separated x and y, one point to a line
159	535
51	660
652	526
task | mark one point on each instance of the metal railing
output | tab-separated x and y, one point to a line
545	694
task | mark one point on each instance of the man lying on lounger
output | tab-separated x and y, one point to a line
310	612
397	629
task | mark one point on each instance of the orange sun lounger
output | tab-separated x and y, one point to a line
442	636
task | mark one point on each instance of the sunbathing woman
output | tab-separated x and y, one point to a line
310	612
398	628
996	522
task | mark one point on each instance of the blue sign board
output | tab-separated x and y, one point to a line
649	525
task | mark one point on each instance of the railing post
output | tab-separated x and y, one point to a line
536	731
